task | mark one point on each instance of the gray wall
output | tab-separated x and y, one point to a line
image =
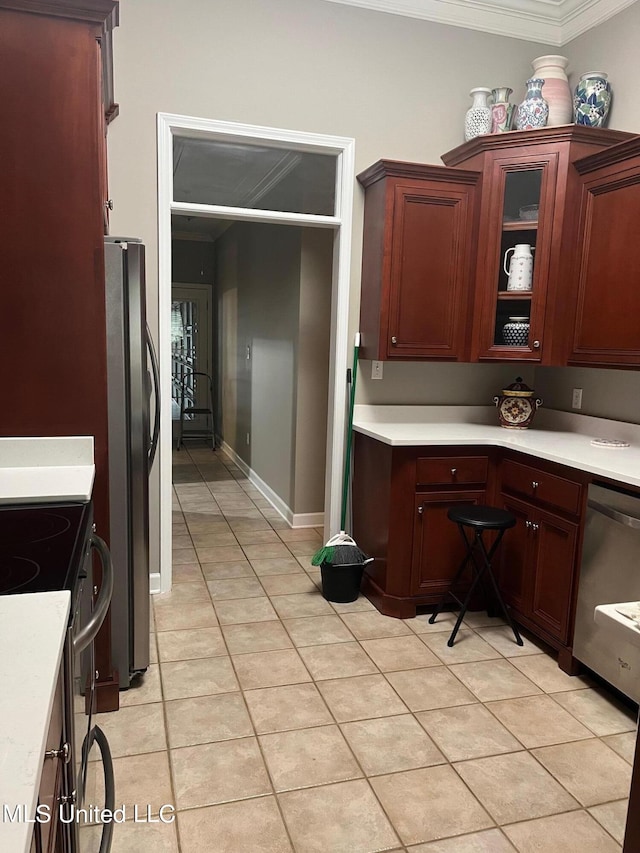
312	381
259	286
274	295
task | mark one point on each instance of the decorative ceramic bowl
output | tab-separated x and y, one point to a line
517	404
515	333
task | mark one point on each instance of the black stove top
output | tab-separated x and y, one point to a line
42	546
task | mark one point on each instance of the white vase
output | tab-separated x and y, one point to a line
478	119
553	70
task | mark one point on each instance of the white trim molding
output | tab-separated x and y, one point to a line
306	519
170	127
553	22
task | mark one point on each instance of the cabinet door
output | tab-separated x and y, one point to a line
513	267
438	549
607	330
431	254
552	571
513	559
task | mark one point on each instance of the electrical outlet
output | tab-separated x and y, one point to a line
248	438
376	369
576	400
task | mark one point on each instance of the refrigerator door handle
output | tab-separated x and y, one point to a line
153	446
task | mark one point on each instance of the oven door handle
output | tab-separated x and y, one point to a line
88	632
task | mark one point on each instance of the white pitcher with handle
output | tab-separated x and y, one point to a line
520	271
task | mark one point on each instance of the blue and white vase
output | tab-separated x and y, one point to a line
533	112
592	99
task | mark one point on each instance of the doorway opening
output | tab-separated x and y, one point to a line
282	178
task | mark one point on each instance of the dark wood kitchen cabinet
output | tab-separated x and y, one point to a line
418	261
530	196
416	548
606	305
537	565
49	836
52	219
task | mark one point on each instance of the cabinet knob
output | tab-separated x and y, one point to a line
454	471
420	509
534	484
535	527
527	524
394	340
109	204
536	344
64	753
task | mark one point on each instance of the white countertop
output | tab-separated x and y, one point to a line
626	629
42	470
32	632
555	436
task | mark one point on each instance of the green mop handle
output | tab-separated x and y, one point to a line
347	460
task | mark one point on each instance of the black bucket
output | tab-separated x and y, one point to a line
341	583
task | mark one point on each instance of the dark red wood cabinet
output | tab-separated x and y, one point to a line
52	330
418	261
401	499
606	329
530	193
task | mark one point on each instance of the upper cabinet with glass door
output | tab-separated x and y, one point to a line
527	232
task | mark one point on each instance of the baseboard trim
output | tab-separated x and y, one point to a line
154	583
306	519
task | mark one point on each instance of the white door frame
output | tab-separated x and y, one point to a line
344	148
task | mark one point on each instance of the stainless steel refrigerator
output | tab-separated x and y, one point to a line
132	378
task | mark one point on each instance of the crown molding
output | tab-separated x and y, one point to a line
553	22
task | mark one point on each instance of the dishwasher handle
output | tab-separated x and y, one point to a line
614	514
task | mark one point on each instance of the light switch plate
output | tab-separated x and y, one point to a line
376	369
576	399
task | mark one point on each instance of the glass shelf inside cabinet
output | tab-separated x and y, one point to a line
515	277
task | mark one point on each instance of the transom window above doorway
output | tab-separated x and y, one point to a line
258	177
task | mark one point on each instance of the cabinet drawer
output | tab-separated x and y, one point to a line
451	470
536	484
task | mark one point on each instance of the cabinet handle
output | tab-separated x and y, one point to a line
536	344
534	484
394	340
420	509
527	524
64	753
454	471
535	527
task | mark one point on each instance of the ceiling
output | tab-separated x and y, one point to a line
553	22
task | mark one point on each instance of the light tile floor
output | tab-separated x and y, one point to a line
275	721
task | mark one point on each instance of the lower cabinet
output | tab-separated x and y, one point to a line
401	499
438	549
536	567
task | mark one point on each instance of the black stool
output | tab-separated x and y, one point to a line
479	519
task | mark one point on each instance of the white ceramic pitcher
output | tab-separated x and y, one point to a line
520	271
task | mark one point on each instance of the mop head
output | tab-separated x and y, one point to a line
340	550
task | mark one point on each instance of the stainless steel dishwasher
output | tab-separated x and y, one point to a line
610	573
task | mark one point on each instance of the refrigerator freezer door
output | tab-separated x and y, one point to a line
128	455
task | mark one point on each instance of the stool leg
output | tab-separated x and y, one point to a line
479	571
487	558
454	580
